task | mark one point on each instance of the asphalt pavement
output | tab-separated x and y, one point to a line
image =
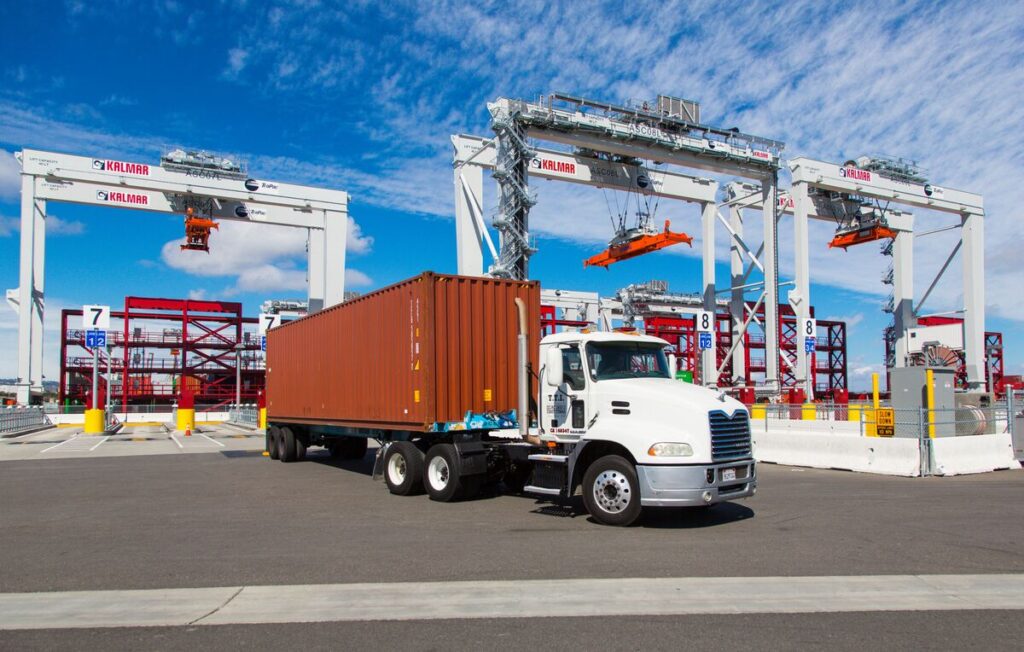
233	517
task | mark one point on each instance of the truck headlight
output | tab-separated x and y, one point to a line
670	449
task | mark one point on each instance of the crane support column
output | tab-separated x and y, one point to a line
769	202
30	291
469	241
800	296
335	244
736	312
902	283
972	235
709	366
326	262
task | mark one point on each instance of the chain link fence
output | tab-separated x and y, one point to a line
18	419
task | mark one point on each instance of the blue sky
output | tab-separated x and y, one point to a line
363	97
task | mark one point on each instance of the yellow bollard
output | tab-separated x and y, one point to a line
186	419
95	422
930	398
809	412
870	429
263	419
758	411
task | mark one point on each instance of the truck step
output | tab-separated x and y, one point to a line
544	457
547	491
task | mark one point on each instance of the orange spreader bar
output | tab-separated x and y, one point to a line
197	232
869	234
642	245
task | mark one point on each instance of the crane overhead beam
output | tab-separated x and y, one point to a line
178	187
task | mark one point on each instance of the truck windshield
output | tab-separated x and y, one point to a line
615	360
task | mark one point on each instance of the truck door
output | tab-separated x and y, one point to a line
566	411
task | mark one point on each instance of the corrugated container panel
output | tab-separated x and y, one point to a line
418	352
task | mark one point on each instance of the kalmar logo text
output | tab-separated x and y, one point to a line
855	173
124	198
123	167
556	166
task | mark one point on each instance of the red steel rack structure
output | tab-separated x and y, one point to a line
161	349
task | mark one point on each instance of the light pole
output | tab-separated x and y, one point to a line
238	374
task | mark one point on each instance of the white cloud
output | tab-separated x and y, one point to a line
9	226
57	226
236	61
357	243
10	175
198	294
356	279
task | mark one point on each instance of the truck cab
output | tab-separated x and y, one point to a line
623	432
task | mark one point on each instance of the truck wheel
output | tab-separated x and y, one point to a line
273	434
287	447
611	491
300	449
441	473
403	468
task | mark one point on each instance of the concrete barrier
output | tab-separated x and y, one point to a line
977	454
820	450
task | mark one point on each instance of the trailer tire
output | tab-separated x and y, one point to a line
403	469
287	448
441	470
300	449
611	491
273	434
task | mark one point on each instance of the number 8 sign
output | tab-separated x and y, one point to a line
705	323
809	328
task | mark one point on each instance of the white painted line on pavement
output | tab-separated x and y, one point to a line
509	599
102	441
176	441
71	438
213	440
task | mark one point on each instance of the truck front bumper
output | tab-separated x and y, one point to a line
692	486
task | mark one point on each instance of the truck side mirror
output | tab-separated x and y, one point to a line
553	366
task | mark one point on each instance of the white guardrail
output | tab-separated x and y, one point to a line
16	419
246	414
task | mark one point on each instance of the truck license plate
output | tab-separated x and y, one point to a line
728	475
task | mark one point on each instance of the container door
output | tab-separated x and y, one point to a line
566	407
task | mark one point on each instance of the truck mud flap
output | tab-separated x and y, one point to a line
378	462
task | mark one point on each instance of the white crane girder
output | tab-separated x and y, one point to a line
586	170
866	183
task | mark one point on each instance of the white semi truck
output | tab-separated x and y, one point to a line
608	421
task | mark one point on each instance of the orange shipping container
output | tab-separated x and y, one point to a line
422	351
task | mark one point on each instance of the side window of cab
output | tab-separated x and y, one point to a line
572	368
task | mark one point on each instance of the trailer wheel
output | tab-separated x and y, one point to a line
441	473
273	434
611	491
403	468
287	448
300	449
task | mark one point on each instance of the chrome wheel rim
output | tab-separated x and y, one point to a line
397	469
612	491
438	473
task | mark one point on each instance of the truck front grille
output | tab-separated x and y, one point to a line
730	436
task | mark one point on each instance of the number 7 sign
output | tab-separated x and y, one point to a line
95	318
267	322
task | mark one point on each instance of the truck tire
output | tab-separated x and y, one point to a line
403	469
273	434
300	449
611	491
287	447
441	473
